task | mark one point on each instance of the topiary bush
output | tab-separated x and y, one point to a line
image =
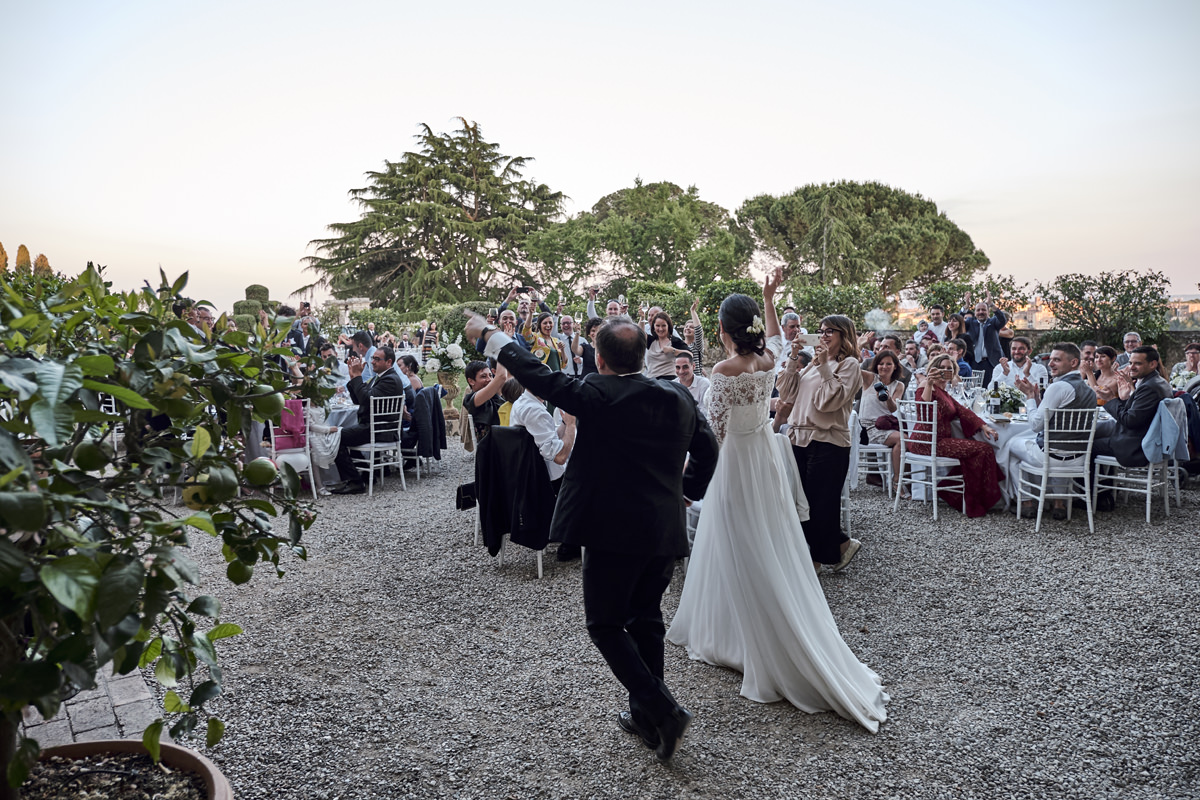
249	308
258	292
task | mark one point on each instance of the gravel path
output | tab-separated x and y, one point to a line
399	661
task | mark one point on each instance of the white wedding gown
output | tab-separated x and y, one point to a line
751	600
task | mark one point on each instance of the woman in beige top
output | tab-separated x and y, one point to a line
820	398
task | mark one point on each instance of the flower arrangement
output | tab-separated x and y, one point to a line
445	356
1181	379
1011	400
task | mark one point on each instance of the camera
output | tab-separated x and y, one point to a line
881	391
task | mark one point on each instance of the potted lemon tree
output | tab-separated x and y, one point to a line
110	403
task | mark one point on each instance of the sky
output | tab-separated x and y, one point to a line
220	138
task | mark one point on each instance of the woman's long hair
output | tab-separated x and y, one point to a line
845	326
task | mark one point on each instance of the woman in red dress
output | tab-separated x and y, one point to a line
981	475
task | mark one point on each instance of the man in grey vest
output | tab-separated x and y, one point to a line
1068	390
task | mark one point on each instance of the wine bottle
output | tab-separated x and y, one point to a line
994	399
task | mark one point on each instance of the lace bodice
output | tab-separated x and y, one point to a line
740	403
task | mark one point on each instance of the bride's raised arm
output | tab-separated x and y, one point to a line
771	283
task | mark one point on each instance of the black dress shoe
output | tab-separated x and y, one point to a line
349	487
1059	512
670	733
1105	502
568	552
649	738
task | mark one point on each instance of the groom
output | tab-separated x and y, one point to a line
627	512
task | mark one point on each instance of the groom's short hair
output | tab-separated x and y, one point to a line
622	345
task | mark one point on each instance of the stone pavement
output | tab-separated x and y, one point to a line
120	707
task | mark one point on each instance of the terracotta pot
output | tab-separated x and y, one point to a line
173	756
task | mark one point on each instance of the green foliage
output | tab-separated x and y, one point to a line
848	232
258	292
1008	295
675	301
815	302
247	307
1105	307
94	566
710	298
245	322
656	232
442	224
452	321
385	319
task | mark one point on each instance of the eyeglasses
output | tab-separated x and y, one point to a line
827	331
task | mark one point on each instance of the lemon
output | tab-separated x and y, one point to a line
261	472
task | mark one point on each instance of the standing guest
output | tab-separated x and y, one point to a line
820	400
980	473
371	332
304	339
1131	342
542	342
588	346
572	342
1105	375
386	383
611	309
693	336
922	331
431	337
937	321
483	401
1021	366
984	328
523	305
626	566
956	328
1006	336
662	346
411	369
686	374
882	392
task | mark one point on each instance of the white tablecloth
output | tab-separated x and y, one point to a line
1012	434
340	416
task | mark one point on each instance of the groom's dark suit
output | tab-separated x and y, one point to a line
622	500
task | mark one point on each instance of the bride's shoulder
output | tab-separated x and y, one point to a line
732	368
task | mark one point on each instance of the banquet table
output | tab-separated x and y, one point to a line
341	415
1009	432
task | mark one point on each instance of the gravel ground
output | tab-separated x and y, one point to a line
400	661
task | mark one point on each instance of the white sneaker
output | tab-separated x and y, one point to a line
848	556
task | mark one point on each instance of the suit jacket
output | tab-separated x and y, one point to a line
295	339
513	488
385	385
625	483
1133	418
989	329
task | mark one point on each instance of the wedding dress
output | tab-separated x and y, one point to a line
751	600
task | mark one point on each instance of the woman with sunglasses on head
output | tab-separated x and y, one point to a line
981	475
820	398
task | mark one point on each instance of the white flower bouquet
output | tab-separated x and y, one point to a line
445	356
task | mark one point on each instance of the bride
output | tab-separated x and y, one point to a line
751	600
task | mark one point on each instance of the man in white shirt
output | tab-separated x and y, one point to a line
1069	390
790	326
685	374
937	321
571	342
1021	366
530	413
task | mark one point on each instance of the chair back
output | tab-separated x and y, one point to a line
1069	433
973	381
918	424
387	414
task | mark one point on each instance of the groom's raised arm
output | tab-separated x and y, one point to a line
569	394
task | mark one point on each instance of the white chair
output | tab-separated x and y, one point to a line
876	459
973	381
465	419
1066	458
379	453
300	458
844	505
1111	476
918	425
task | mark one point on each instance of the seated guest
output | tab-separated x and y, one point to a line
1069	390
338	371
1190	363
1132	406
913	357
693	335
1021	366
981	475
685	374
1105	375
483	401
1130	341
386	383
882	391
409	366
957	349
1087	353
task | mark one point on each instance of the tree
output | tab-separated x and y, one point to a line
23	264
652	232
41	265
1008	295
1105	307
444	223
816	302
848	232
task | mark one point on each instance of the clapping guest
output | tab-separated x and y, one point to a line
661	348
1105	376
882	391
1021	366
1190	363
981	474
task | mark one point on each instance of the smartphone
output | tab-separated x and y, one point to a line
808	339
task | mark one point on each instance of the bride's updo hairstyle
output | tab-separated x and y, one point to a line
737	317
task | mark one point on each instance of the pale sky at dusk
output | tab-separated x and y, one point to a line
221	137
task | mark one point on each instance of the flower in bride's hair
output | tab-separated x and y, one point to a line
756	325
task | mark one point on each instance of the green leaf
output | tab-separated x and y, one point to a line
27	755
23	511
96	365
239	572
150	738
57	382
126	395
216	729
152	651
12	561
205	605
118	592
73	581
24	387
54	423
201	442
164	673
223	631
201	520
173	703
203	693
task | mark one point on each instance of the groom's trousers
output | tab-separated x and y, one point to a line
622	600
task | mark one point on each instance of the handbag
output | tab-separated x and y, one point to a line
464	496
887	422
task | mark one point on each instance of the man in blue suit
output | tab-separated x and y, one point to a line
984	328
